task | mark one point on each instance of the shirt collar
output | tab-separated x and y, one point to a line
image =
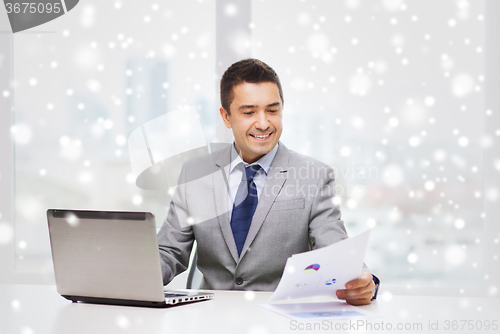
264	162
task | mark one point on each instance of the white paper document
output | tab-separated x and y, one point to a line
323	271
317	311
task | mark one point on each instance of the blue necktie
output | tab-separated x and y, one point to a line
244	207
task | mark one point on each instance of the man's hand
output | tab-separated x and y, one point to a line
358	291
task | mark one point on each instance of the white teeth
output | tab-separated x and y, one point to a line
265	136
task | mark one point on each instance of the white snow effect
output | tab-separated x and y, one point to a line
496	164
440	155
169	50
303	19
463	141
492	194
394	122
21	133
352	4
130	178
249	295
412	258
85	177
97	130
380	67
455	255
351	203
87	58
70	149
414	141
414	114
318	43
429	101
203	41
357	192
87	18
459	224
337	200
393	175
394	215
345	151
393	5
358	122
298	84
122	321
259	329
371	222
231	10
447	63
429	185
137	199
240	42
463	9
72	220
462	85
6	233
27	330
29	207
16	305
107	124
360	84
121	140
93	85
398	40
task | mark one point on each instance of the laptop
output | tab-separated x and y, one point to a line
110	257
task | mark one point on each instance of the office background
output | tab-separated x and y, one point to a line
400	97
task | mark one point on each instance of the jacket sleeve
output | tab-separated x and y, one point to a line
325	221
175	238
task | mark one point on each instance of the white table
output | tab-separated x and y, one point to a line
38	309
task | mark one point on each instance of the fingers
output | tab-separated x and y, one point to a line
364	280
359	291
365	300
355	293
355	297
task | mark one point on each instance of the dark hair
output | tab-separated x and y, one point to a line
247	70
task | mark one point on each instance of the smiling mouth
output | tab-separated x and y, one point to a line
261	137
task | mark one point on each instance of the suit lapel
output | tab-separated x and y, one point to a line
220	179
275	180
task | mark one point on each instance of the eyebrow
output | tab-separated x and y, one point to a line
251	106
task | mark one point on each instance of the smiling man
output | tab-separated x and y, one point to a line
256	203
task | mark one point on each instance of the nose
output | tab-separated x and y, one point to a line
261	123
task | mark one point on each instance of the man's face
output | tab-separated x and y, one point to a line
255	117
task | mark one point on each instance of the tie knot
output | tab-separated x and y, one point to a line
250	172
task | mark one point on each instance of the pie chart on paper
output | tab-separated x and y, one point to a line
312	269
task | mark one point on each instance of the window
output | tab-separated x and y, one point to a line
399	99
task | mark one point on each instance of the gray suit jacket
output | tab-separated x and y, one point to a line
295	214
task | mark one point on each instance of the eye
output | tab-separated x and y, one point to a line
248	113
273	111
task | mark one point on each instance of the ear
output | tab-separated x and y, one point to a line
225	117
